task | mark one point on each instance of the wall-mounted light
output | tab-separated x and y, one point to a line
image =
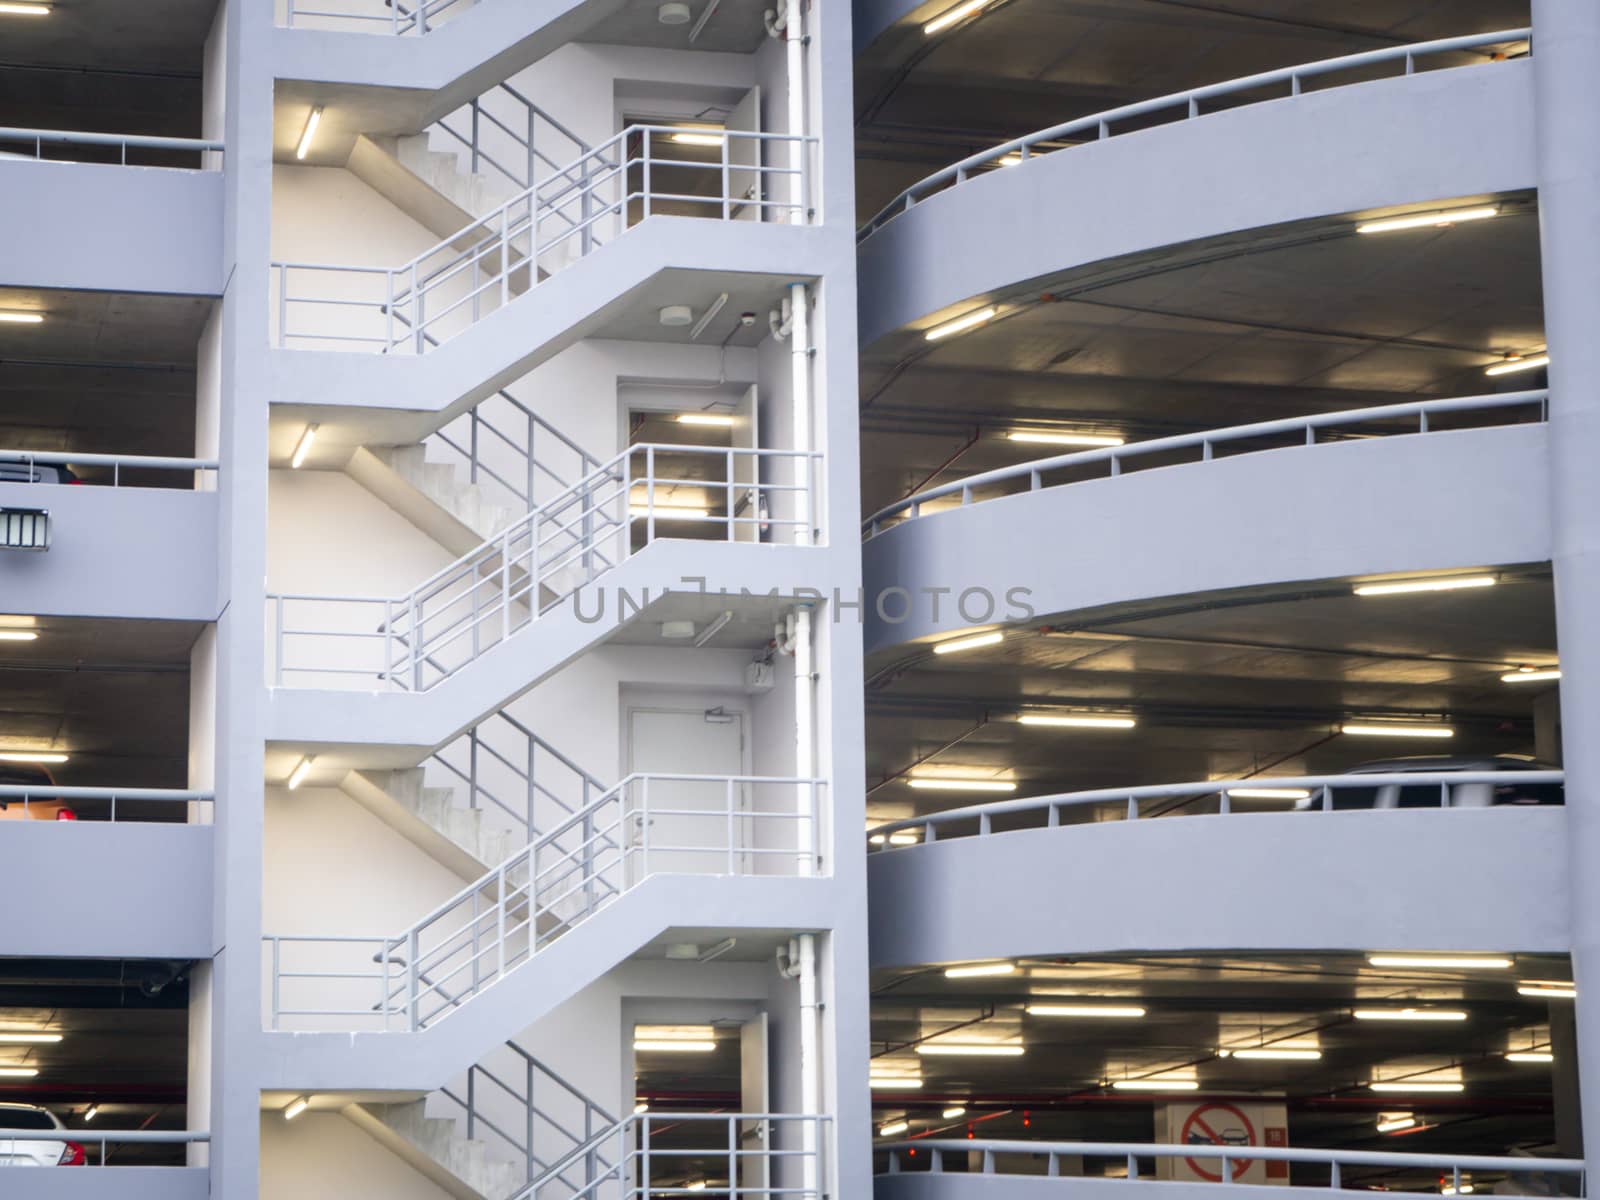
894	1083
303	446
313	119
301	770
1447	583
295	1107
951	15
1437	220
894	839
669	512
673	1046
960	324
25	10
956	645
13	317
1513	363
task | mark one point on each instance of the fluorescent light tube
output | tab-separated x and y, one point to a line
1077	720
1156	1085
18	635
1530	1056
1459	962
951	15
1392	1122
30	1039
951	1114
1269	793
641	1108
301	770
31	756
1399	1085
1423	220
18	1072
894	1083
1518	363
699	1185
893	1127
1548	991
1446	1189
1065	439
969	1050
303	446
960	324
90	1113
703	419
312	121
980	969
295	1107
930	783
697	138
25	10
22	318
1285	1054
1409	1014
669	512
894	839
956	645
1446	583
672	1046
1532	675
1399	729
1084	1010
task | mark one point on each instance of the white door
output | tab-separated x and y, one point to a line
744	155
687	826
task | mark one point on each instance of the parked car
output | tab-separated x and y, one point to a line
43	807
1462	795
21	470
18	1150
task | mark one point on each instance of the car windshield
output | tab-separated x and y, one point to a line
25	1118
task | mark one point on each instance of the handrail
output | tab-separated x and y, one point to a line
936	1148
1052	805
108	1137
124	141
401	19
1100	123
526	139
49	793
1204	441
117	462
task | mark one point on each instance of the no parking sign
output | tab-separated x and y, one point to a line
1215	1121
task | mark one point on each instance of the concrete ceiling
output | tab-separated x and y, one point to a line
1224	685
1272	323
734	27
925	101
1195	1005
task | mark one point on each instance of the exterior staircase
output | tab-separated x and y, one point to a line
464	1167
459	516
431	819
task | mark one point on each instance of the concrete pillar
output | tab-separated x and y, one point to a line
1567	92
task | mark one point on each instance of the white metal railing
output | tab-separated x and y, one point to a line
509	770
117	462
738	1156
992	1156
1299	430
580	206
416	641
38	139
1454	789
648	824
372	16
508	448
505	131
45	800
1187	104
104	1138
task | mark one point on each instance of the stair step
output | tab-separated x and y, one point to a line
469	1160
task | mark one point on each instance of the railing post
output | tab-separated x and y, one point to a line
277	642
413	978
415	647
728	797
277	980
644	189
475	111
727	182
472	1101
1227	1169
1333	1173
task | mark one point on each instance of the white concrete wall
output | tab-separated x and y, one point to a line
322	1156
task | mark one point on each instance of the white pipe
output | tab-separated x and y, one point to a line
810	1068
800	405
794	45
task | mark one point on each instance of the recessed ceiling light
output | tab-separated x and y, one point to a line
1532	675
931	783
31	756
21	318
980	969
1398	729
1084	1010
961	324
1045	438
951	15
1078	720
313	119
1446	583
956	645
1516	362
1434	219
1409	1014
1453	962
970	1050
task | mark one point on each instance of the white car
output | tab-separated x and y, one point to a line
18	1150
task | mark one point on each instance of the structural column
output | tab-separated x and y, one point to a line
1567	91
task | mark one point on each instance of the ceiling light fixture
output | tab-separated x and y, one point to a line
1084	1010
1065	439
301	770
641	1107
1077	720
970	1050
91	1113
1394	1122
295	1107
674	1046
951	1114
699	1185
1548	991
929	783
894	839
956	645
18	635
709	135
1437	220
1398	729
1156	1085
1513	363
1450	1189
18	1072
961	324
303	446
669	512
674	12
894	1083
1532	675
702	419
1285	1053
30	1039
951	15
1409	1014
980	970
25	10
313	119
21	318
1400	1085
1447	583
31	756
893	1127
1530	1056
1457	962
1269	793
